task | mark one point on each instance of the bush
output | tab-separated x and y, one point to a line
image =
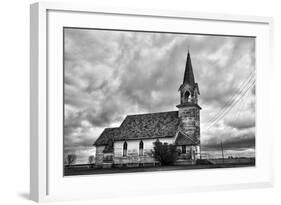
165	153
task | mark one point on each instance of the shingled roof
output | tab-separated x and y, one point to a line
183	139
142	126
152	125
107	135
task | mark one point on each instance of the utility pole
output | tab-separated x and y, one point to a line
222	153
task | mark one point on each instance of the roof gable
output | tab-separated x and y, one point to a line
107	135
183	139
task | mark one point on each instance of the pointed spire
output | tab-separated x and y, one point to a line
188	73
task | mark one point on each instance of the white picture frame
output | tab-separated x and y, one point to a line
46	178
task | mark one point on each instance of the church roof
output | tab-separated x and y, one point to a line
188	73
107	135
142	126
183	139
152	125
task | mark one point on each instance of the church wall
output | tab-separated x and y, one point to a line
99	154
133	155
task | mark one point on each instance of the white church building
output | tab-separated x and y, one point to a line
132	142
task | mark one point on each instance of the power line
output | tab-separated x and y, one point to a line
240	107
232	105
233	99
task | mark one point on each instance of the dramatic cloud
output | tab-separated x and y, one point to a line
110	74
242	123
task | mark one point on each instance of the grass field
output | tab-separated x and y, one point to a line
71	171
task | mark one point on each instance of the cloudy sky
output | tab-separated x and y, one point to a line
110	74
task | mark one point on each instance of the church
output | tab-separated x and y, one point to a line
131	143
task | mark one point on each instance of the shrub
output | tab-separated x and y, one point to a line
165	153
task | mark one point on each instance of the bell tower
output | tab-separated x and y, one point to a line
189	110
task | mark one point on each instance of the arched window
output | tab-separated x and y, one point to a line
183	149
186	95
141	148
125	149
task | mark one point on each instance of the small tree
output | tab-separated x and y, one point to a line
165	153
91	160
71	158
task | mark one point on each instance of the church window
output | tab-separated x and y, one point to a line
141	148
125	149
183	149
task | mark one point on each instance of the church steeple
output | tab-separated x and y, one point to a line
189	110
188	73
189	89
